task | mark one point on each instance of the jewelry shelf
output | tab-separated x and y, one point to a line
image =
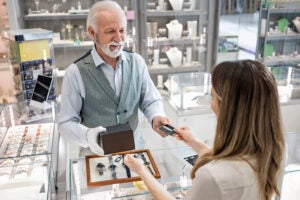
54	16
156	13
282	37
175	70
289	60
71	44
281	10
183	40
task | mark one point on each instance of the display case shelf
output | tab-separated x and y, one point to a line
174	70
271	61
69	44
281	37
54	16
155	13
281	10
180	41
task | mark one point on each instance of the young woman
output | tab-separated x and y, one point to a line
245	160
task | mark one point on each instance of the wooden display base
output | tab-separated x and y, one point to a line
107	170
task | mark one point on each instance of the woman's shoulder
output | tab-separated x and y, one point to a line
233	179
232	173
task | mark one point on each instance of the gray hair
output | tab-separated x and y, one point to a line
101	6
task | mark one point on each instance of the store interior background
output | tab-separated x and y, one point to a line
243	27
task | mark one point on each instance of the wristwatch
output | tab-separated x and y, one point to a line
128	173
112	167
100	168
146	163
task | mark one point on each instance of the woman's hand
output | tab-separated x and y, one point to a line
134	164
155	188
184	134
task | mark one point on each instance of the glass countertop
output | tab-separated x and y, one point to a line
172	166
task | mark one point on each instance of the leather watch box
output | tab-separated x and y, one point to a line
117	138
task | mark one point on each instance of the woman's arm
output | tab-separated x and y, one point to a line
155	188
184	134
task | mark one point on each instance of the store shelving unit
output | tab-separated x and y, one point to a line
155	39
67	20
278	42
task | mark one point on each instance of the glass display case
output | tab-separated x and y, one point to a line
172	165
31	54
189	91
26	152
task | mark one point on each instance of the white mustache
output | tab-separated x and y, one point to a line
116	43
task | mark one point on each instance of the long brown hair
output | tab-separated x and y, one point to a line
249	120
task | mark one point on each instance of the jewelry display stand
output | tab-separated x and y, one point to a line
296	22
175	56
174	30
176	4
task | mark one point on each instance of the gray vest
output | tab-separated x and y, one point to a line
101	106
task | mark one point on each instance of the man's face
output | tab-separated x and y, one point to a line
110	33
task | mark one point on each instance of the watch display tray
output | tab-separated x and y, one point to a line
107	170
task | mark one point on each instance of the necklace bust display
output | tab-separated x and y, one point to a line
174	30
175	56
176	4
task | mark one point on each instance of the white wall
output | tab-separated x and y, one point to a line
291	117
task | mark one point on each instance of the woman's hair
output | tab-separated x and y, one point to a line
249	120
102	6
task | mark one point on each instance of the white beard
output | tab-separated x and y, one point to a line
115	53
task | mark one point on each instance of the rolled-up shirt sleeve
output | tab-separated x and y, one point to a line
151	102
69	117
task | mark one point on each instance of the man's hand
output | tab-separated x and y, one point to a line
157	122
92	137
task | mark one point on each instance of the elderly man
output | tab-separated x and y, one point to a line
107	86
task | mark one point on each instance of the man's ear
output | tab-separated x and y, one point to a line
91	33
